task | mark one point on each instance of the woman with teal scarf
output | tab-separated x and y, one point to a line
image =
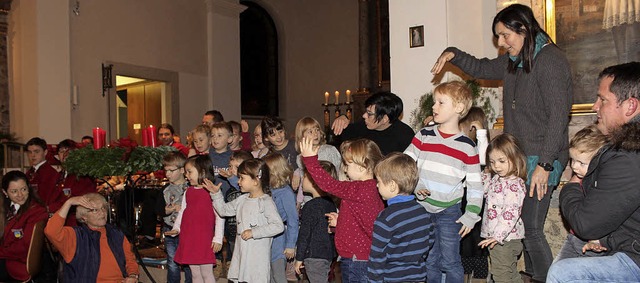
537	97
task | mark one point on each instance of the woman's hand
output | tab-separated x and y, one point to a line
216	247
339	124
306	147
442	60
289	253
246	234
488	243
539	180
211	187
298	265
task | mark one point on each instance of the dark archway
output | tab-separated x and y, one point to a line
258	61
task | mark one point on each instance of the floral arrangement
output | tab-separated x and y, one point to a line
122	157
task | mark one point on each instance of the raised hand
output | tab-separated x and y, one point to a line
211	187
442	60
306	147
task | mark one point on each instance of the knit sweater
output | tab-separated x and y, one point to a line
402	237
313	239
445	165
359	208
394	138
536	105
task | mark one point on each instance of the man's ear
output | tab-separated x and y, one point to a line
632	106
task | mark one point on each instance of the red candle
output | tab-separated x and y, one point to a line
152	136
98	138
145	137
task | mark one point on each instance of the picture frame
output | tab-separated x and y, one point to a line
416	36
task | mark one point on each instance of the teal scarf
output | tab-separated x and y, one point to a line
541	41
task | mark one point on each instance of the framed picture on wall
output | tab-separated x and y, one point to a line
416	36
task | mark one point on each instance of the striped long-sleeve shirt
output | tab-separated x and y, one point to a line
403	234
445	165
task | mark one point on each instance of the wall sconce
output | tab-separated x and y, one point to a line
106	78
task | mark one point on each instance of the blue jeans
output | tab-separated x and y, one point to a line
616	268
537	253
353	270
444	256
173	269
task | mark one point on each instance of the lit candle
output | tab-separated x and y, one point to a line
337	96
326	97
348	96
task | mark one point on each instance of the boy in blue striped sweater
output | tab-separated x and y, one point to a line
403	233
447	161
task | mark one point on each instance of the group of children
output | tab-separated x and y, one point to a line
415	237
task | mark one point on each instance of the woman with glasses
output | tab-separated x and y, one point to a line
81	245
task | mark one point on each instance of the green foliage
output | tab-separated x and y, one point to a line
114	161
481	98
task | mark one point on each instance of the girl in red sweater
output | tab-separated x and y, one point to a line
360	201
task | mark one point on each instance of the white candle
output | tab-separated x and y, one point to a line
348	96
337	96
326	97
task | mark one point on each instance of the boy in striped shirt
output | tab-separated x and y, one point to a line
403	232
448	162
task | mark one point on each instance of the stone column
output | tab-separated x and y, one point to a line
5	7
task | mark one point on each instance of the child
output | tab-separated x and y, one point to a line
283	246
502	226
582	147
239	135
259	149
474	258
447	160
403	232
201	136
274	133
195	223
257	218
230	228
315	247
220	155
309	127
360	202
169	207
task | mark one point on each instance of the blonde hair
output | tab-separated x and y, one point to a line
279	168
203	129
401	169
362	152
82	211
508	144
588	140
459	92
305	124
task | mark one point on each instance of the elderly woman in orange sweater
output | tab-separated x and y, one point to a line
80	245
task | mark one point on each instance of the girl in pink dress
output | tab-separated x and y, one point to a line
196	221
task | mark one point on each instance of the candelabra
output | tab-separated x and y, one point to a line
337	111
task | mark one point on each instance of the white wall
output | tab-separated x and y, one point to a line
460	23
40	94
